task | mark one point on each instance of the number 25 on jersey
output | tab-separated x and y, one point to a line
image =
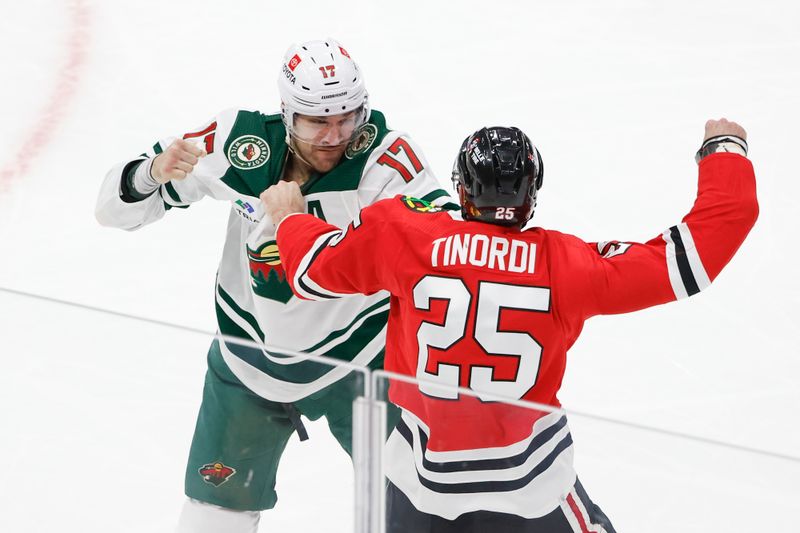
492	298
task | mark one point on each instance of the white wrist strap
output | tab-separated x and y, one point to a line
143	180
722	143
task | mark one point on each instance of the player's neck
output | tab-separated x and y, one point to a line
297	170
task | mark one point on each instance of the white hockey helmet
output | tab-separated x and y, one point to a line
319	78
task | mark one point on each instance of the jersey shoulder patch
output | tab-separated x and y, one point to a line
363	139
419	206
255	150
367	136
609	249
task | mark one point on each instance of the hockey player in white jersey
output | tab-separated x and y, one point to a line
342	155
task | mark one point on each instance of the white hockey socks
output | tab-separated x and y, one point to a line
201	517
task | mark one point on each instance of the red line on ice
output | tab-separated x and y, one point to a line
64	90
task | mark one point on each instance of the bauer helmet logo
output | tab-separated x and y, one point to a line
216	473
344	53
334	95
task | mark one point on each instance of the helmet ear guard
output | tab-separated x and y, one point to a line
539	170
498	173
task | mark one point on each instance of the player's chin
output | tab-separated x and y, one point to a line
326	159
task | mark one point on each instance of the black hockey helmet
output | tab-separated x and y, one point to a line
498	173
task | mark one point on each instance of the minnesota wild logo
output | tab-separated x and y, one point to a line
216	473
362	140
267	276
248	152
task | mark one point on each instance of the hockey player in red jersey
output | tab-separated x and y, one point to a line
479	302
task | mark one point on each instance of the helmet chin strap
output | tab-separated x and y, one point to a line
295	153
290	139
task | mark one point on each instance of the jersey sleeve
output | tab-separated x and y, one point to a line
398	167
619	277
324	262
119	205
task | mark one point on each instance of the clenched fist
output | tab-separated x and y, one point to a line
715	128
177	161
282	199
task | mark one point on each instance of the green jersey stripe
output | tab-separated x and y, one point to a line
295	369
173	193
244	315
336	334
433	195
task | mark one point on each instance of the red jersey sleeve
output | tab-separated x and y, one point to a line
324	262
619	277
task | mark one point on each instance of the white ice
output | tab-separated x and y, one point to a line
97	410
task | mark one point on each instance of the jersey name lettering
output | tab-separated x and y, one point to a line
499	253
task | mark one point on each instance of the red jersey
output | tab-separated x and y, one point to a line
495	309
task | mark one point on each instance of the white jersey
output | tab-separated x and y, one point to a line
246	154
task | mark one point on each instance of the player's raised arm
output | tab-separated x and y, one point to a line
176	162
321	260
686	257
139	191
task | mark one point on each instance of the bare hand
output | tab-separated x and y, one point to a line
177	161
722	126
282	199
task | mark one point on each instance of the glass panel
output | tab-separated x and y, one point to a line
453	454
99	410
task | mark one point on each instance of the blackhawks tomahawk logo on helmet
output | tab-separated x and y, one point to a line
216	473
